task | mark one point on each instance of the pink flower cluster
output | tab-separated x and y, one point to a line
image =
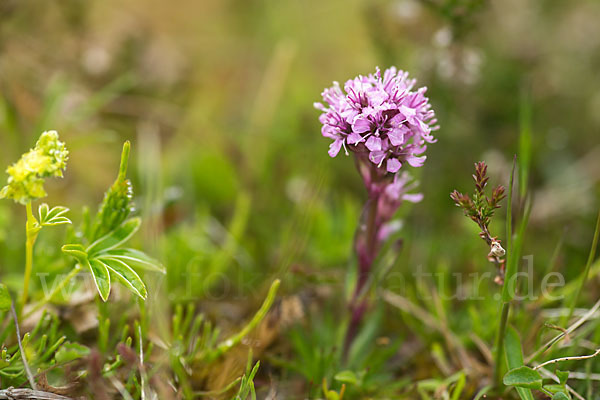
383	116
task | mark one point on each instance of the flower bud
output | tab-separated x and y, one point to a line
497	250
26	176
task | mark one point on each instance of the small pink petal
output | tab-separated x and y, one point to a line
425	128
329	131
376	157
396	136
334	148
397	120
377	96
354	138
373	143
407	111
415	161
349	114
393	165
361	125
320	106
413	198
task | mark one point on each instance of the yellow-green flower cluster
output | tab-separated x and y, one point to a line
26	176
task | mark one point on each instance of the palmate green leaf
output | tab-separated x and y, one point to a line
101	277
99	271
560	396
524	377
115	237
119	262
126	275
54	216
134	258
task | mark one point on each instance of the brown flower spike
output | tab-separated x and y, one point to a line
481	209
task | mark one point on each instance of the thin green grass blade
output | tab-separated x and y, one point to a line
585	274
235	339
525	142
510	261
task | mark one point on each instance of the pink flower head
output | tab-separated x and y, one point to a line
382	116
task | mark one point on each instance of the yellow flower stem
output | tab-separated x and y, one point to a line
31	232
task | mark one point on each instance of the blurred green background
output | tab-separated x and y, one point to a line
229	167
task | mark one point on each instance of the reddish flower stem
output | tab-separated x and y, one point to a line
366	251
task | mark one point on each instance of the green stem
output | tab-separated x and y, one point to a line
234	340
58	288
31	231
586	272
500	342
506	292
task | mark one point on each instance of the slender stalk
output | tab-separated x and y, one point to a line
56	289
31	234
586	272
508	277
23	355
365	263
235	339
557	360
567	332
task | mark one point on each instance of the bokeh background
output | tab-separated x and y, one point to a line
230	171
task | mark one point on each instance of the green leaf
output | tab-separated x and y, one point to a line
346	377
560	396
101	277
135	258
514	355
563	376
115	237
55	216
77	251
514	358
5	299
126	275
254	371
524	377
460	385
554	388
71	351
